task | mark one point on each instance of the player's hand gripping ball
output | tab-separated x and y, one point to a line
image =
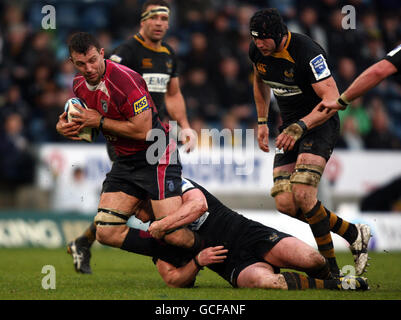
87	134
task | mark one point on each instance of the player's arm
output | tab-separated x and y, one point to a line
325	89
367	80
135	127
193	206
261	93
181	277
175	105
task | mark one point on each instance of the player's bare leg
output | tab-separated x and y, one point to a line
115	208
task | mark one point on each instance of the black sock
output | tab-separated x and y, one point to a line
141	242
89	236
343	228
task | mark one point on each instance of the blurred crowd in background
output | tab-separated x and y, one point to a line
211	39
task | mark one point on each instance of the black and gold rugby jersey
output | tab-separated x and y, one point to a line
155	66
291	72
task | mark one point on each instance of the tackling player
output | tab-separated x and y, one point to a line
294	67
120	106
245	253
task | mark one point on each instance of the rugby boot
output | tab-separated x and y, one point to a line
359	248
81	257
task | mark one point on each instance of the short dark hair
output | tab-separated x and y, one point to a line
81	42
154	3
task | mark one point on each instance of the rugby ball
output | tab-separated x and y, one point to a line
87	134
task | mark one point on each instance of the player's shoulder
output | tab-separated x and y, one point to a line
303	45
124	79
169	50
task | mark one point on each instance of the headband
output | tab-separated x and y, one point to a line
157	10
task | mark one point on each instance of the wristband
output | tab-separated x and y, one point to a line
262	120
101	123
197	263
302	125
342	101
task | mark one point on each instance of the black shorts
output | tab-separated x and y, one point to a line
249	249
134	175
319	141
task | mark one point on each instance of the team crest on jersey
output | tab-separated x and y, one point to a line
147	63
104	105
141	105
169	66
261	67
289	75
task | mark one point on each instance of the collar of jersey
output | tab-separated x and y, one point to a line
96	86
141	40
284	54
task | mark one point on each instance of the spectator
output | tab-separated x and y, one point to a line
76	194
201	98
17	163
308	24
380	136
361	117
350	135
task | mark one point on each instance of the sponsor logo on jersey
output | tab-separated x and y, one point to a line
147	63
261	67
141	105
156	82
283	90
319	67
116	58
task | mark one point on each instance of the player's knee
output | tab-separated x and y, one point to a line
301	194
111	236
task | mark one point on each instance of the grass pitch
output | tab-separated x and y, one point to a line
119	275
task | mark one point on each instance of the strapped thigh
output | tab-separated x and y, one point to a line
108	217
308	174
281	183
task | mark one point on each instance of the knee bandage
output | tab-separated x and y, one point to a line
281	183
308	174
107	217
